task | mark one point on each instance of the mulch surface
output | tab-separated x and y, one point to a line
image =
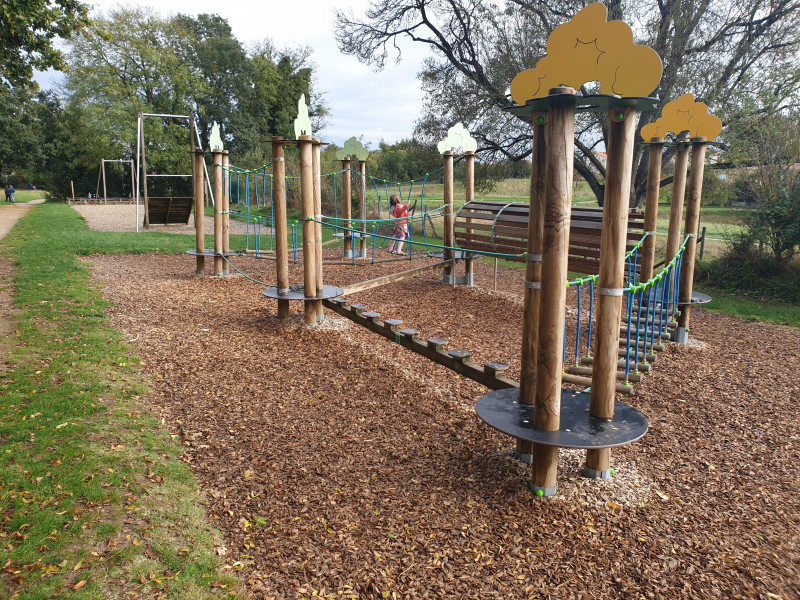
338	463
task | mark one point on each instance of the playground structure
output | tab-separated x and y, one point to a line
614	247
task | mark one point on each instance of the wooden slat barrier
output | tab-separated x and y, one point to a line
490	374
169	210
503	227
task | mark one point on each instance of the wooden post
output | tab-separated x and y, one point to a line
348	208
133	183
559	148
217	165
469	196
317	166
362	170
622	125
103	169
144	181
690	228
309	236
72	185
676	207
449	271
225	208
533	275
281	229
651	207
199	225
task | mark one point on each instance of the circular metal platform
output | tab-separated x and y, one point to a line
697	298
297	292
212	254
502	410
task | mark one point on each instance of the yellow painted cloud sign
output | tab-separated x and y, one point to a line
684	114
589	48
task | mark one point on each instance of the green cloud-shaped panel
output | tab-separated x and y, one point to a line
354	149
458	137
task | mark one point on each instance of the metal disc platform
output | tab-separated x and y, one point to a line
697	298
502	410
297	292
588	103
212	254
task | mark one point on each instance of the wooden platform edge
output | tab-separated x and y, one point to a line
393	278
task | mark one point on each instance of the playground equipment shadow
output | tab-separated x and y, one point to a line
336	462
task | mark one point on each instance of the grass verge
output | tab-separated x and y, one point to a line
95	500
753	309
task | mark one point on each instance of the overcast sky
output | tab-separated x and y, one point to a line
379	106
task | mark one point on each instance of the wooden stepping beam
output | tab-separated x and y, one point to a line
587	371
493	368
623	343
462	355
392	324
623	332
651	358
437	344
587	382
456	360
642	366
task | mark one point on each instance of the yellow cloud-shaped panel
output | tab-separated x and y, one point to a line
684	114
589	48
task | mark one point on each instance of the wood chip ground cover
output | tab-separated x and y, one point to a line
338	463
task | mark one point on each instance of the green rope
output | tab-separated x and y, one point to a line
246	276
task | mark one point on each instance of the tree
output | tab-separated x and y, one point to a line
28	29
768	178
726	54
133	59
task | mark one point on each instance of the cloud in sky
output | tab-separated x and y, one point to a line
378	106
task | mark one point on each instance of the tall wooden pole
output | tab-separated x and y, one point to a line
611	278
691	227
309	236
281	229
676	207
651	207
317	167
469	196
225	200
533	275
199	225
133	182
348	208
217	165
559	148
362	170
449	271
144	175
103	168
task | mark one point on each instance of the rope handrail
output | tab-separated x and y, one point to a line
409	218
593	278
425	244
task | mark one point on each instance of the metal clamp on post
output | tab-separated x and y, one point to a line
610	291
533	285
533	257
279	159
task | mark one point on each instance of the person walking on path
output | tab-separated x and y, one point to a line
400	232
10	194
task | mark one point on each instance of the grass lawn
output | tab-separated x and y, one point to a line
96	502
